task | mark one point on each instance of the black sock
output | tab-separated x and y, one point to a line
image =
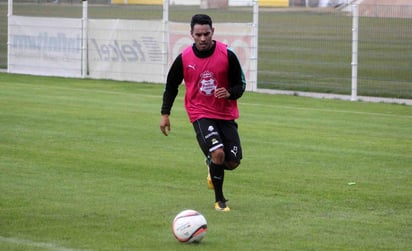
217	173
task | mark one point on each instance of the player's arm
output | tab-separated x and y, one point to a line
236	76
174	79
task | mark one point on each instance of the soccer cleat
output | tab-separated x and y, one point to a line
221	206
209	179
209	182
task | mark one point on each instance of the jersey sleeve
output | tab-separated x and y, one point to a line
236	76
174	79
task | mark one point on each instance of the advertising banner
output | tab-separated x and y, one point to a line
45	46
238	37
128	50
125	50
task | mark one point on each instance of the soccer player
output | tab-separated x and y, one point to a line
214	80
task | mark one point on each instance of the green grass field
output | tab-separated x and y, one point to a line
84	167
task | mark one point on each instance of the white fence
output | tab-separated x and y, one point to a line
132	50
45	46
298	49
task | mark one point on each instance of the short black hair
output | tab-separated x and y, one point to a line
200	19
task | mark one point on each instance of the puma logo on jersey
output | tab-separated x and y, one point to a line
193	67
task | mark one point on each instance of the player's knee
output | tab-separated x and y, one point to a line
231	165
218	156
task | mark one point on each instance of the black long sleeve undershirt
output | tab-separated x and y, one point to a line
175	77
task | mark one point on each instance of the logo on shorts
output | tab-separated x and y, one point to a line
207	83
210	128
234	150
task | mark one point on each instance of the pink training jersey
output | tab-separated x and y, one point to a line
202	76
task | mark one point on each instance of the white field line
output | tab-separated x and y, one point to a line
338	96
328	110
29	243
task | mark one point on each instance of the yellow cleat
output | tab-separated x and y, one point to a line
209	182
209	178
221	206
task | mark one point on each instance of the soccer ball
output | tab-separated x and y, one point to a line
189	226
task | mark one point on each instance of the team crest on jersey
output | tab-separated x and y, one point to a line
207	83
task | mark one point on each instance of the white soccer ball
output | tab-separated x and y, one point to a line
189	226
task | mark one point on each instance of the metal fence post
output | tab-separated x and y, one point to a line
355	29
84	38
165	39
254	56
9	14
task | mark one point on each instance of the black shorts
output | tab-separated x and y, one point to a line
213	134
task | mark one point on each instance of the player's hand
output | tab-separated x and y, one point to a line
222	93
165	124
